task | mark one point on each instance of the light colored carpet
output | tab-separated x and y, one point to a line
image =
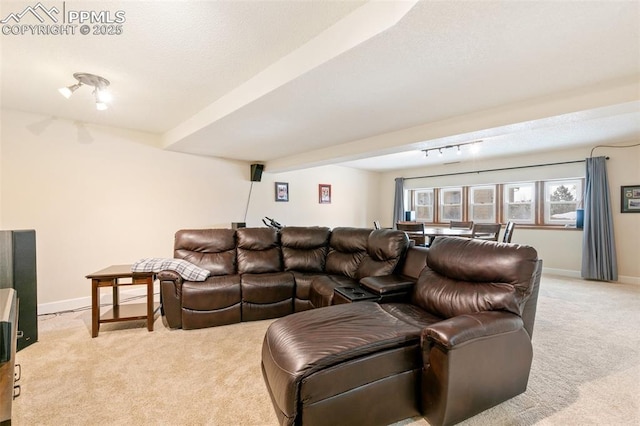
586	369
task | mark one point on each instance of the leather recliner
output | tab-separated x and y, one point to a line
460	345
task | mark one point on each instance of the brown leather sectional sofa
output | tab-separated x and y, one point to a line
260	273
448	336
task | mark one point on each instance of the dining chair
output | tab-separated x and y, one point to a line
461	225
508	232
486	231
415	231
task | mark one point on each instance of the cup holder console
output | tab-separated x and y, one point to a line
356	293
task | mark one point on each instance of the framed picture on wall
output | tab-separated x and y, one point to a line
324	193
630	199
282	191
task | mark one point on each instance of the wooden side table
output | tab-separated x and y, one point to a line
110	277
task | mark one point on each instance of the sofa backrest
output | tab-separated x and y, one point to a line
304	249
385	248
530	307
211	249
413	262
468	275
258	250
352	252
347	248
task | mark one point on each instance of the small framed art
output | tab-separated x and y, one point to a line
324	193
630	199
282	191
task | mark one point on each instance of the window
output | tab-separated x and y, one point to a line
450	204
482	204
539	203
561	201
423	205
519	202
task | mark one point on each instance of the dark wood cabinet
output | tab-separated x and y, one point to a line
18	271
8	338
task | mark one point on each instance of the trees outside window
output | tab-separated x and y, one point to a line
539	203
561	201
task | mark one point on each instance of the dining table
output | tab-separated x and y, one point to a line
432	233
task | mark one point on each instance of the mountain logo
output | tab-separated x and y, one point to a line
38	11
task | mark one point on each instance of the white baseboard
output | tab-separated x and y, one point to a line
629	280
85	302
622	279
561	272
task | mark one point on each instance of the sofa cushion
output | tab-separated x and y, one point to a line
304	249
303	283
267	288
267	296
322	288
385	248
258	251
347	248
217	292
466	276
210	249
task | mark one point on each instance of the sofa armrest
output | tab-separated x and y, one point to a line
171	297
169	276
482	359
387	284
464	328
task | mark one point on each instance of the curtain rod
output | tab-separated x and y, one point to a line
498	170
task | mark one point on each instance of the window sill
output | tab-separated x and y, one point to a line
518	226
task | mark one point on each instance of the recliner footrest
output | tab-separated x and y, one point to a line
321	358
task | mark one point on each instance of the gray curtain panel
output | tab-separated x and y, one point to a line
398	202
599	261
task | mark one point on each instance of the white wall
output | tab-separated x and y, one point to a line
116	198
354	198
561	249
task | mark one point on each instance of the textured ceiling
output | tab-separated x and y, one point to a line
301	83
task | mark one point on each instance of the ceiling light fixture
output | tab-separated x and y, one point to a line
68	91
98	83
475	147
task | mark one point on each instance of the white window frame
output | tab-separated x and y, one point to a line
416	206
473	203
442	205
506	188
547	220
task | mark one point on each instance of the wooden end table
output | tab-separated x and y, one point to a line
110	277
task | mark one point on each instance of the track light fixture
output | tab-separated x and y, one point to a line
98	83
475	147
